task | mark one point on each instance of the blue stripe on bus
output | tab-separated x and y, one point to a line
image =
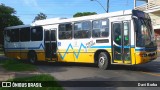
132	46
124	46
41	45
81	46
100	47
76	54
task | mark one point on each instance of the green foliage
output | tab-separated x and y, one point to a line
14	65
79	14
40	16
40	77
1	51
7	18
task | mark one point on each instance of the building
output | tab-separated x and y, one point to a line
153	8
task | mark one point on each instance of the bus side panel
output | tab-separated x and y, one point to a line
85	57
64	56
40	55
24	54
13	54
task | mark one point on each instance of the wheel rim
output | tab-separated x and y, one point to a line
101	61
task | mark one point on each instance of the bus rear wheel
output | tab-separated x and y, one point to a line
103	61
32	57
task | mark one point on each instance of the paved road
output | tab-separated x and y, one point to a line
89	72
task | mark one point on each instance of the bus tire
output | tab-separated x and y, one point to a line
32	57
103	60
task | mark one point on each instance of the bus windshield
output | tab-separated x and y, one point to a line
144	32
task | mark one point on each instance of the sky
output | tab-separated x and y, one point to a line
26	10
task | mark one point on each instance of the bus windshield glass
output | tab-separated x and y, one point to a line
144	32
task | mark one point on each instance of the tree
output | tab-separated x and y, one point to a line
40	16
79	14
7	18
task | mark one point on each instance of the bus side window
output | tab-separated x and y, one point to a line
82	29
25	34
100	28
36	33
65	31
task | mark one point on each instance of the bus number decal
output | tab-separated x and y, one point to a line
59	43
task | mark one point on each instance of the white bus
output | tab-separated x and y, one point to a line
123	37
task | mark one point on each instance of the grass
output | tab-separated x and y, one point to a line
1	51
15	65
39	78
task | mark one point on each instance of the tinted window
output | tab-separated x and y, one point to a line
36	33
50	35
14	35
47	35
53	35
126	33
82	29
100	28
25	34
117	33
65	31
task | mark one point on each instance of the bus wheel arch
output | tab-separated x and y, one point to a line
102	58
32	57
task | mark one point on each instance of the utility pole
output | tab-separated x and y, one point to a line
107	6
102	5
134	4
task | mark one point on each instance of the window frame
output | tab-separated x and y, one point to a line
101	27
70	31
89	30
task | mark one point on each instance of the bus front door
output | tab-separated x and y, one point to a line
121	48
50	45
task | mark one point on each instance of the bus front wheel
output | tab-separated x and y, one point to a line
103	60
32	57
